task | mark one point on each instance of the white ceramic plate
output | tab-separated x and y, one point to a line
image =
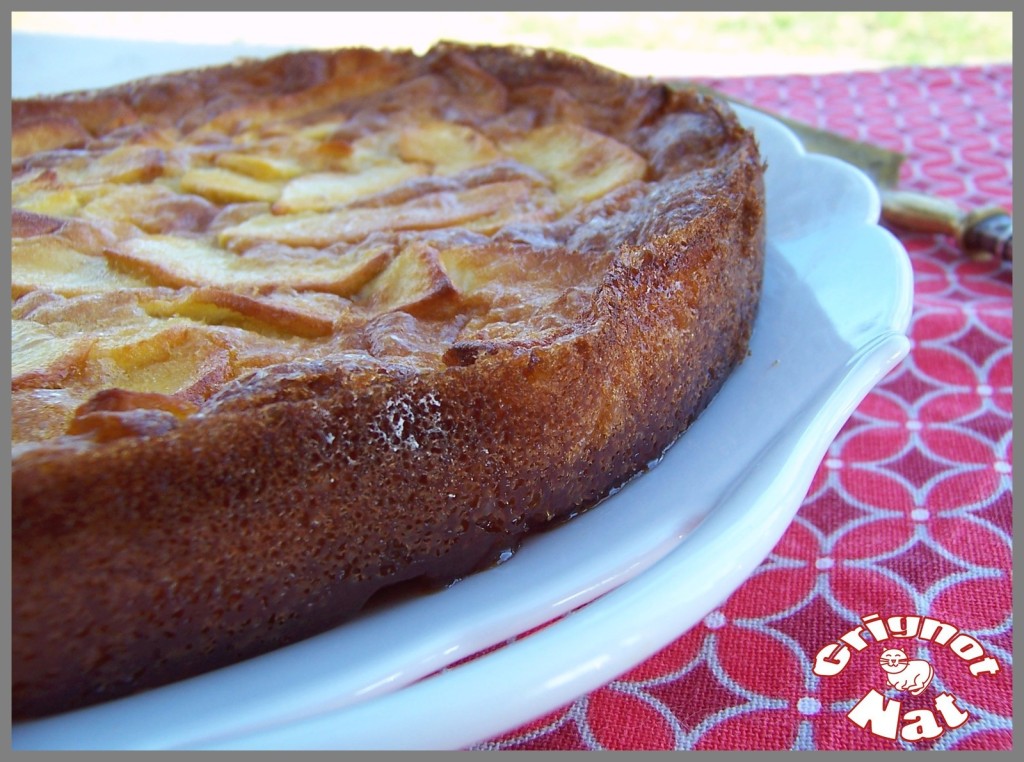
649	562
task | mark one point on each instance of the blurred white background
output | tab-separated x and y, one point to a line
642	43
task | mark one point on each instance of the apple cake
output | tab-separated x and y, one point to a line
289	332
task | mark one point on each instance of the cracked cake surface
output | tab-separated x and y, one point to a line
289	332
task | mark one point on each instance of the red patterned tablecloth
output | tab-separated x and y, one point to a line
910	513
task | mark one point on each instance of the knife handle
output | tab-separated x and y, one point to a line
988	230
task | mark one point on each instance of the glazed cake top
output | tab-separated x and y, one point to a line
177	234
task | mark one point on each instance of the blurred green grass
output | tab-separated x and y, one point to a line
887	37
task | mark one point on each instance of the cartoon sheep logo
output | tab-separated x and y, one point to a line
904	673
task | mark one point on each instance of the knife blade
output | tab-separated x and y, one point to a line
980	233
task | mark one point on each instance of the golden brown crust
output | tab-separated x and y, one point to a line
167	534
